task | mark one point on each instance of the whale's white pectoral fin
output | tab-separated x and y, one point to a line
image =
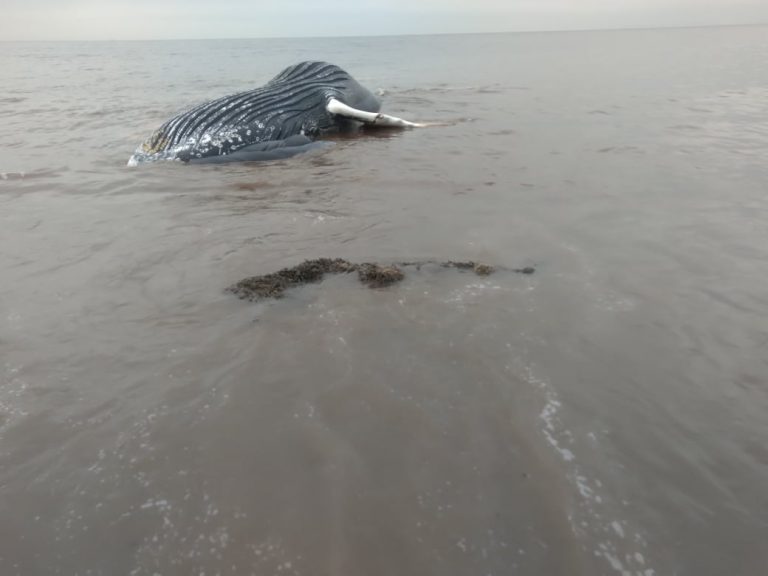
336	107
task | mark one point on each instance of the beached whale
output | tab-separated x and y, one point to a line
282	118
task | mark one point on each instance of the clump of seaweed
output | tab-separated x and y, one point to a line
376	276
476	267
371	274
275	284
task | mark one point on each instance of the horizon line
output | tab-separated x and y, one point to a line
410	34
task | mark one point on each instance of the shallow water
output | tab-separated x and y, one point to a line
606	415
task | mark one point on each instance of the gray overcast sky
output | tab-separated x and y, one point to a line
146	19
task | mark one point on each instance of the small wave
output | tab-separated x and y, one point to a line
685	128
106	111
446	89
447	122
42	173
470	293
621	150
410	99
13	390
504	132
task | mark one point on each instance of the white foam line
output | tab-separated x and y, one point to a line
13	390
591	500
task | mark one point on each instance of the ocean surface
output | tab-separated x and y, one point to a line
605	415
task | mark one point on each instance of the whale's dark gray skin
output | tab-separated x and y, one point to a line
279	119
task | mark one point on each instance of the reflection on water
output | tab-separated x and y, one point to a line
605	415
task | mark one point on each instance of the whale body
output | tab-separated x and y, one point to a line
282	118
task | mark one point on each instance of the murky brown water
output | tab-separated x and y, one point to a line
606	415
